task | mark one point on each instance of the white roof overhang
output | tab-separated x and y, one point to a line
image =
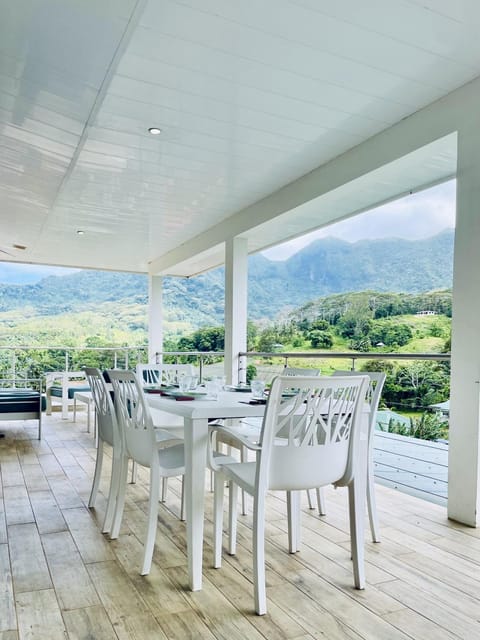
277	118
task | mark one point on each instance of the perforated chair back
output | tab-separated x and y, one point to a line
163	373
320	428
374	391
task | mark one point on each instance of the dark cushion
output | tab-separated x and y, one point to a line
20	400
57	391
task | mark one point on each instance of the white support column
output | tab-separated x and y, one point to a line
155	316
464	437
236	274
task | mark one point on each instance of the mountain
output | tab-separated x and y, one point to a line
324	267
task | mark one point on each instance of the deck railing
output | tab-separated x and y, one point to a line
31	361
414	472
351	358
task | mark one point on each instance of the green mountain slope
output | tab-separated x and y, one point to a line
327	266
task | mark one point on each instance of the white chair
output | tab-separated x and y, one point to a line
108	432
140	441
63	385
250	430
164	374
374	392
320	445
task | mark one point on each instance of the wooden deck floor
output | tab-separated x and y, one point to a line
61	578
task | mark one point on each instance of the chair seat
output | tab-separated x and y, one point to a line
242	473
248	431
172	459
162	436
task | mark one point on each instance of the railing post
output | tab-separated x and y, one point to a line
66	360
126	359
200	369
242	369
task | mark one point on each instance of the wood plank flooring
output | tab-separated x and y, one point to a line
61	578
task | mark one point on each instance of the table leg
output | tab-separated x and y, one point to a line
196	432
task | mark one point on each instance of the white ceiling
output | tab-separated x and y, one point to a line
249	95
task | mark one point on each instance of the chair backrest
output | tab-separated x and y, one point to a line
297	371
133	416
149	373
374	392
106	418
320	427
163	373
54	377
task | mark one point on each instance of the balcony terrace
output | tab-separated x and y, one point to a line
275	119
62	578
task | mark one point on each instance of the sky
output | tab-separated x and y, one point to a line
416	216
413	217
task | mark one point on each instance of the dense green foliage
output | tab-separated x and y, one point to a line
427	427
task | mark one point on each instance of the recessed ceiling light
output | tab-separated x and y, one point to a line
155	131
19	246
80	232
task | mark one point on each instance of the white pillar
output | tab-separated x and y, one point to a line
464	436
236	274
155	316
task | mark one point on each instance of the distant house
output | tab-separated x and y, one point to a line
426	313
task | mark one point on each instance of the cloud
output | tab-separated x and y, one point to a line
416	216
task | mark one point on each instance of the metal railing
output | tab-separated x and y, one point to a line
202	359
351	357
30	361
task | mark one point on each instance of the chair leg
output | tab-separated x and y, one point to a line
356	506
244	458
309	498
133	479
120	502
164	489
182	501
152	519
219	485
322	509
96	475
260	594
372	505
293	517
232	517
112	493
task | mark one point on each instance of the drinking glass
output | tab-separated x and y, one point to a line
184	383
258	388
193	383
211	387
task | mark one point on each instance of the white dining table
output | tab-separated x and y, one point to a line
196	414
